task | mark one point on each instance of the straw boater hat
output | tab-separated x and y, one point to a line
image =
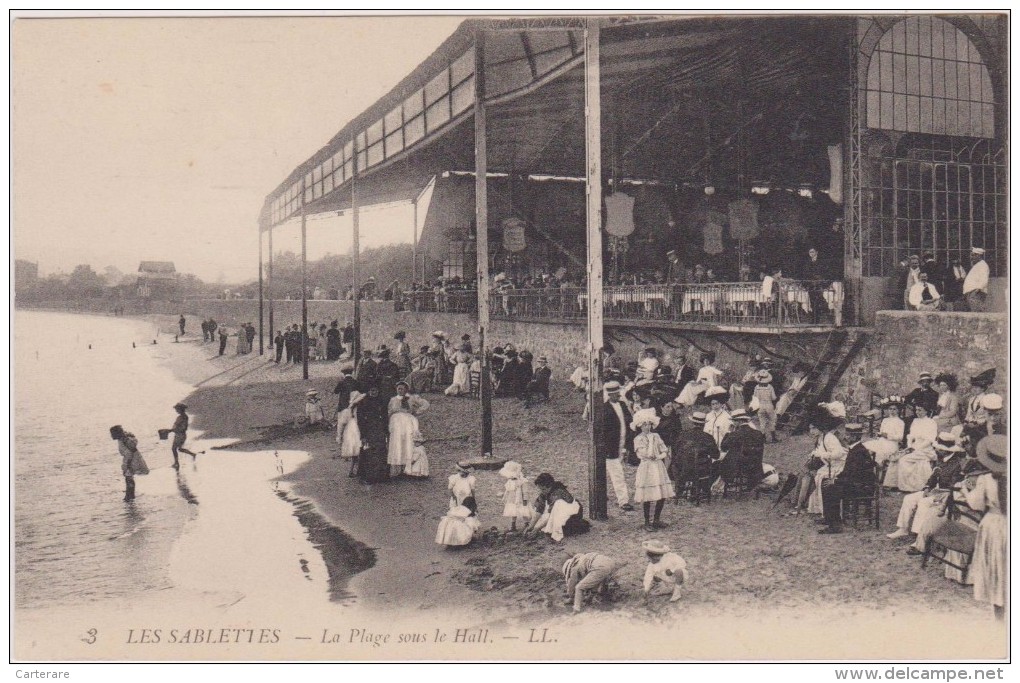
924	377
947	441
698	417
542	359
311	392
763	377
991	402
643	417
977	250
511	470
655	547
740	415
611	386
853	428
993	453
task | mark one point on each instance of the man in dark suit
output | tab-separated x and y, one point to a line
538	387
618	441
924	394
685	373
344	388
858	478
695	459
745	449
387	374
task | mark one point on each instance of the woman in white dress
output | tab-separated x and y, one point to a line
948	410
826	460
989	493
708	377
914	464
461	373
404	409
890	437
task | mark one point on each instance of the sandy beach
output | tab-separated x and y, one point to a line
768	585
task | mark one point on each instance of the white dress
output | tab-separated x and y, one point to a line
833	456
460	488
989	569
419	466
403	425
913	469
458	527
461	375
708	377
348	435
651	483
514	505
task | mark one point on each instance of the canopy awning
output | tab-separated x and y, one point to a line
676	93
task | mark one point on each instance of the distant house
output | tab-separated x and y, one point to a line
157	280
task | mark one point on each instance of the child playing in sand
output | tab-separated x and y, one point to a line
651	484
458	527
461	485
514	505
419	467
588	572
313	409
664	567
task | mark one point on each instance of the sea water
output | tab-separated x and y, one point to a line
217	527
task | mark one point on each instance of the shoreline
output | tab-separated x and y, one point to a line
755	576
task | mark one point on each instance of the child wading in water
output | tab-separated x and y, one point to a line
461	486
664	567
514	505
651	484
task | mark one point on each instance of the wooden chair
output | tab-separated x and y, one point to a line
868	506
958	535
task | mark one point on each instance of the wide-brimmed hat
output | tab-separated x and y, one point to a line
180	406
740	415
712	392
440	334
511	470
993	452
655	547
853	428
836	409
698	417
465	468
312	392
991	402
643	417
984	378
763	377
891	401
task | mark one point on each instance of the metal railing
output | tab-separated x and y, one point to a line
779	303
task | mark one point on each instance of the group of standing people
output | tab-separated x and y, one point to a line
929	286
320	342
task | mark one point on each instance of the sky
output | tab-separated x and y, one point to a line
159	138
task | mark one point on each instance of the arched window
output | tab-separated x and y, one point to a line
926	76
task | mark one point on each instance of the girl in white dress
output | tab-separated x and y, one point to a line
514	505
458	527
766	396
989	493
890	436
461	486
348	435
651	483
419	467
